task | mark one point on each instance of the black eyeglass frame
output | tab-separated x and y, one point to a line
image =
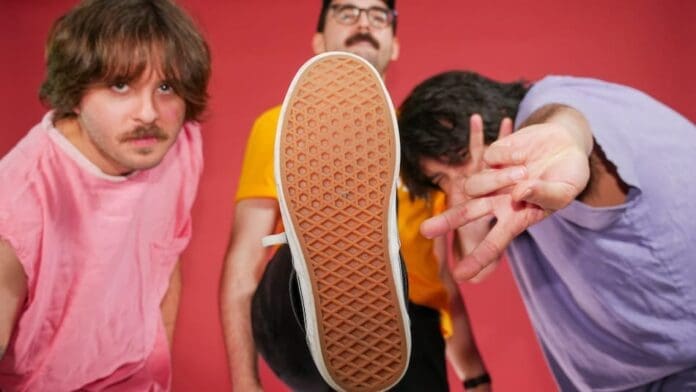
336	8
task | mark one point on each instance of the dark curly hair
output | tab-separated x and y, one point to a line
434	120
106	41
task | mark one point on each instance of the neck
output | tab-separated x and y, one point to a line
72	131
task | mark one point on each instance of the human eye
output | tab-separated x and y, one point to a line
379	15
119	87
347	12
436	181
165	88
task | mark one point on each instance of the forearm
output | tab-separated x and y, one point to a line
239	342
170	303
461	348
245	261
240	279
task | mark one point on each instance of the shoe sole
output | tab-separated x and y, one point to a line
337	156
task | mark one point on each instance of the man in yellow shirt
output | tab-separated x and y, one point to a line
435	308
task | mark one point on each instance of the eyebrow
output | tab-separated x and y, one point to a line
377	7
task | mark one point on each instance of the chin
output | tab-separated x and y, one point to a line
144	164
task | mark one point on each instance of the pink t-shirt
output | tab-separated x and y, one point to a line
98	252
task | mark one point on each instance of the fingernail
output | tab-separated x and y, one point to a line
518	173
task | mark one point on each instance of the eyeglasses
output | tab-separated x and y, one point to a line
348	14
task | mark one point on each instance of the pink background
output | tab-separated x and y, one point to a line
258	45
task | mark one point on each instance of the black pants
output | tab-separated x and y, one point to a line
277	324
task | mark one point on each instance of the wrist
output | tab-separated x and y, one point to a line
474	382
577	126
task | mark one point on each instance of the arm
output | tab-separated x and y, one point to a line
13	291
170	303
461	349
244	265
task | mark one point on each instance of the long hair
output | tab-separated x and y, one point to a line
106	41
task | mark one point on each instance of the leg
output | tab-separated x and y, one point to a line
278	332
427	370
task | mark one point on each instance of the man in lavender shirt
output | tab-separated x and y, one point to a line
588	198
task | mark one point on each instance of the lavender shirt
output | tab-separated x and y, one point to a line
611	292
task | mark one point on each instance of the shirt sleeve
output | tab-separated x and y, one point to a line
190	169
257	178
21	226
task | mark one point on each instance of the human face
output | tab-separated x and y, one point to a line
377	46
128	126
449	177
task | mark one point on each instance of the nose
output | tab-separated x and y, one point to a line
147	111
363	20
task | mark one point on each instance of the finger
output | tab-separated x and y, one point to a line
489	181
487	252
455	217
486	272
505	128
504	153
476	138
454	198
548	195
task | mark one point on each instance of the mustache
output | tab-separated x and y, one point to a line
358	37
146	131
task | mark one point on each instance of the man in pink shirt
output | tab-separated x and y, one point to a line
95	201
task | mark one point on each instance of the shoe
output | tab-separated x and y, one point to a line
336	168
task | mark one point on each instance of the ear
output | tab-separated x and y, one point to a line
318	43
396	49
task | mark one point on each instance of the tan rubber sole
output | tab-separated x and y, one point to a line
337	157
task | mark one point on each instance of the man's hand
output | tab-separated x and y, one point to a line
532	173
544	163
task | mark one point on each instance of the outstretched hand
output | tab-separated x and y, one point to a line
546	166
532	173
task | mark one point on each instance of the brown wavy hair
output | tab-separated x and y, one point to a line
108	42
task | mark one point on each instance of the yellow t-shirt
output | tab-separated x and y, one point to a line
425	288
